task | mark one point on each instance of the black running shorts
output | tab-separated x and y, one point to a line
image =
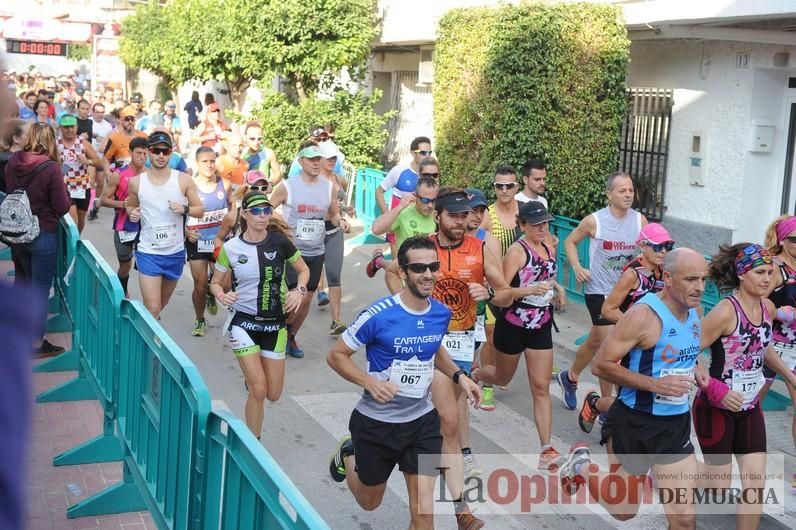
379	445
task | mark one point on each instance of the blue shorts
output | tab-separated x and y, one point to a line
464	365
169	266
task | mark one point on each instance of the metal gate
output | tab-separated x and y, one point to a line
415	106
644	146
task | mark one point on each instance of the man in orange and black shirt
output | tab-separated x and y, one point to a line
465	264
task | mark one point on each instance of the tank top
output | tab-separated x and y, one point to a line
216	206
161	229
648	282
737	358
675	353
506	236
611	248
75	172
784	295
121	221
305	209
533	312
459	266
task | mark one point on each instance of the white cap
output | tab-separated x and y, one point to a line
328	149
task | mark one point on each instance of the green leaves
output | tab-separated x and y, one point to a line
519	81
361	134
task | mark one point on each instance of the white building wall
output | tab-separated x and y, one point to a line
742	191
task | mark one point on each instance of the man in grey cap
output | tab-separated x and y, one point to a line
310	203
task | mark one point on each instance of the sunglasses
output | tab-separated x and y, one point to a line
791	239
504	185
667	246
129	118
420	268
260	210
259	188
426	200
160	150
256	139
423	152
432	175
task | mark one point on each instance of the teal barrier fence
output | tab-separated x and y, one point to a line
96	336
561	227
367	208
60	303
252	491
163	408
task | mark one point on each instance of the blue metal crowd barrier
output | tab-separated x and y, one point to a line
561	227
367	208
98	295
250	489
162	415
60	304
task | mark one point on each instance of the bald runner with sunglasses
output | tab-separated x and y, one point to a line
160	199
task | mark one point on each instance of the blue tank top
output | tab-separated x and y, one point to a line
675	353
216	206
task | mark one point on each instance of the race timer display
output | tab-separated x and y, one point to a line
32	47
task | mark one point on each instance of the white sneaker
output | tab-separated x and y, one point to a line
471	469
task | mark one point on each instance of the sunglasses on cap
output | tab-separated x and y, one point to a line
420	268
256	187
504	185
423	152
160	150
260	210
659	247
432	175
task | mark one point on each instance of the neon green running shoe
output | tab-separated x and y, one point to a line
199	328
488	398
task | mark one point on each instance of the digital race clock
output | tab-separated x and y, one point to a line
32	47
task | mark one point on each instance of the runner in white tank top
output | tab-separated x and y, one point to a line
612	230
160	199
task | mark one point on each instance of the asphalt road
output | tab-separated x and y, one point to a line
302	429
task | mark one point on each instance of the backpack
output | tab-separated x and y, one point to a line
18	224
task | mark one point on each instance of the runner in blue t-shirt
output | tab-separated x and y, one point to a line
395	422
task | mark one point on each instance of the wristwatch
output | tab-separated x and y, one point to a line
457	374
186	209
491	292
302	290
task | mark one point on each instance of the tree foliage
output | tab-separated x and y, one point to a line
360	131
238	41
78	52
532	80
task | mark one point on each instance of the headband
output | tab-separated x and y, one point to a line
751	257
785	227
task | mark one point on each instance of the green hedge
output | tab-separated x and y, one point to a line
360	132
517	81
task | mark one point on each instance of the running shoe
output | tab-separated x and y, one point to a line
372	265
323	298
578	456
199	328
588	412
337	461
471	469
212	306
47	350
488	399
293	349
568	388
337	327
468	521
93	213
548	459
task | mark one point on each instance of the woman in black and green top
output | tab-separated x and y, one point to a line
259	299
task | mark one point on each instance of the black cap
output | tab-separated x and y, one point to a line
456	202
159	137
534	213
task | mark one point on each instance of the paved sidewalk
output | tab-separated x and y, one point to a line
57	427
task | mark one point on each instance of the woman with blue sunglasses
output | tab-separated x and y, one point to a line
642	275
255	263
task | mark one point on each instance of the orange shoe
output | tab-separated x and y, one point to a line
548	459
